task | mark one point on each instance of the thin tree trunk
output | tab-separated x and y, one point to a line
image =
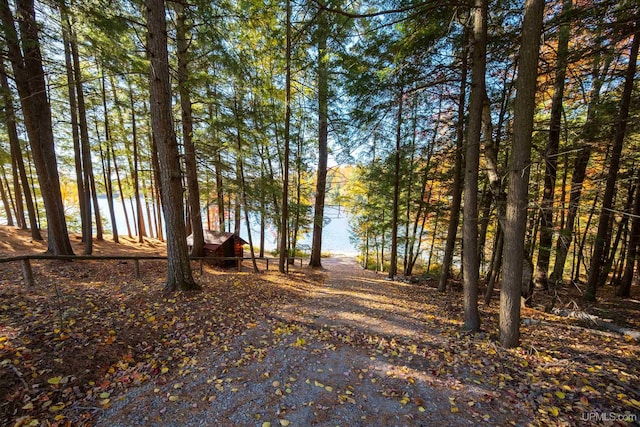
107	172
16	152
142	233
158	184
433	239
73	112
496	265
612	176
411	243
551	153
487	138
298	205
122	198
583	239
5	199
415	243
105	159
85	151
243	190
612	248
393	267
456	191
12	203
517	194
282	264
32	185
191	168
17	191
632	249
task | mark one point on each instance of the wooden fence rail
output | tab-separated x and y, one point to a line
27	271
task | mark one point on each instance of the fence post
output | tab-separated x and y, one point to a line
27	273
136	266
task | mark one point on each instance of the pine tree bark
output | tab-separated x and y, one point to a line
597	259
179	275
191	168
323	131
470	260
518	175
26	61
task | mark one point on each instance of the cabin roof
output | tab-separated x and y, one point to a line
215	238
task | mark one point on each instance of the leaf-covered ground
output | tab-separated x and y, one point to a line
90	345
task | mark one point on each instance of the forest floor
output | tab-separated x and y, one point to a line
91	345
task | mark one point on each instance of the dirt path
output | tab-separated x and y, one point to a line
356	350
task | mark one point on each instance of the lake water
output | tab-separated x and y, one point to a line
335	235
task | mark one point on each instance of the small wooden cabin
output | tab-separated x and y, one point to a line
222	245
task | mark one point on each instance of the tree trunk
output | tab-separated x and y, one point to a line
73	113
87	166
16	152
105	158
588	136
612	175
156	178
5	199
108	180
551	153
415	240
191	168
487	199
612	247
29	75
323	113
581	240
632	249
470	260
136	161
393	266
518	175
456	191
179	275
496	265
282	262
245	205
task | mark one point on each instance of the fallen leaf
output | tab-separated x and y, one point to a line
54	380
